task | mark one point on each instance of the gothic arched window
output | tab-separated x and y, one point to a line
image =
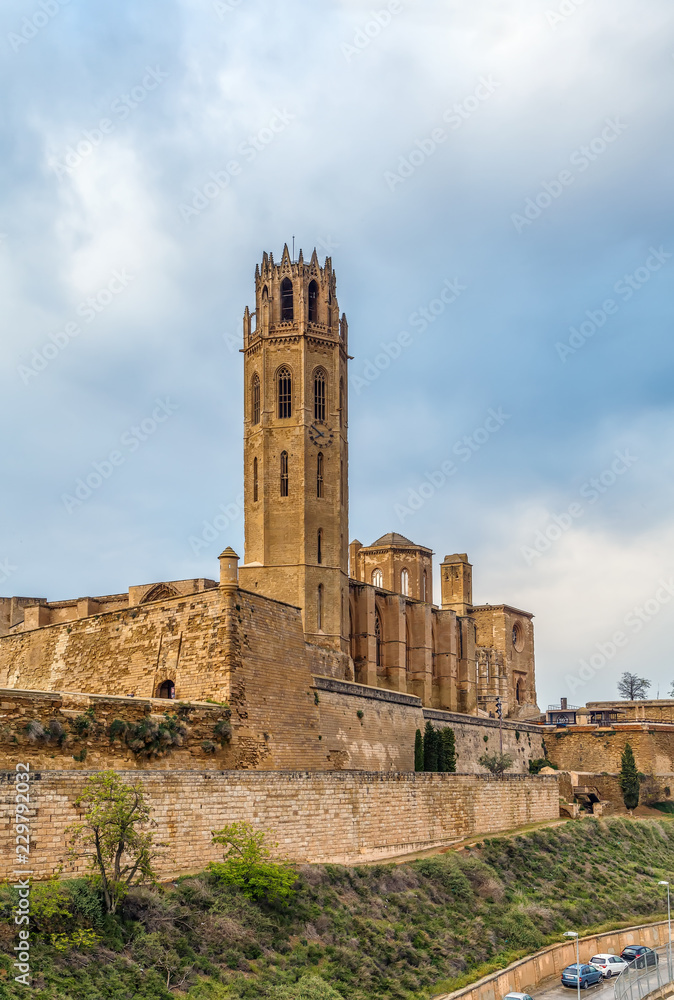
319	475
319	546
286	299
285	392
284	473
519	691
313	302
377	637
319	394
341	402
404	583
319	608
255	480
424	586
255	399
377	578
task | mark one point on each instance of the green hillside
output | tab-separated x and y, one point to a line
374	932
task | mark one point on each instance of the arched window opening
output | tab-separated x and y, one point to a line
319	475
407	646
255	480
377	637
166	689
377	578
519	691
319	394
284	473
285	393
404	583
352	637
341	402
313	302
424	586
255	400
319	546
264	321
342	491
319	608
286	299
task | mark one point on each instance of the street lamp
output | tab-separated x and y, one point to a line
574	934
669	933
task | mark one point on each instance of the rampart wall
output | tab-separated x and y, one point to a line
343	817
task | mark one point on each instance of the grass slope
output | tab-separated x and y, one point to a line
376	932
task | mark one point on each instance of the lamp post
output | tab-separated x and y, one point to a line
574	934
669	933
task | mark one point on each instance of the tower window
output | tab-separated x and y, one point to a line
286	299
255	400
313	302
319	394
424	586
378	578
319	475
255	480
284	473
319	547
285	393
319	608
404	583
341	402
377	637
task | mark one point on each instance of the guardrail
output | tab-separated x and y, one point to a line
635	982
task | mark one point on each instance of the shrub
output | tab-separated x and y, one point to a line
222	730
248	865
34	730
497	763
208	746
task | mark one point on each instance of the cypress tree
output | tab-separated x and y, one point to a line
440	744
430	749
418	751
629	778
449	748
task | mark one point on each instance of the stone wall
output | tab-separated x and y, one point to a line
475	736
592	748
656	710
343	817
319	722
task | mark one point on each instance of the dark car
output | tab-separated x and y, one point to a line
588	976
639	956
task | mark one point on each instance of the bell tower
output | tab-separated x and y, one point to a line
295	445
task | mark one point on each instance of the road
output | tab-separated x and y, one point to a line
554	990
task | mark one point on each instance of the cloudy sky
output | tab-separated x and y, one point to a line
513	154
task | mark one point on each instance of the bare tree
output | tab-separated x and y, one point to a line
633	688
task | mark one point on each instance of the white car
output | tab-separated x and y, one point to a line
517	996
608	965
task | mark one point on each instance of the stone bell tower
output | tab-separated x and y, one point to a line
295	445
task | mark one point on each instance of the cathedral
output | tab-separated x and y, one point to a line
305	611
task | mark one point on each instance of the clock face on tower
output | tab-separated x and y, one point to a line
321	434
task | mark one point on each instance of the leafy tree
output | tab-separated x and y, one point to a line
248	864
497	763
418	751
629	778
633	688
449	747
120	853
430	749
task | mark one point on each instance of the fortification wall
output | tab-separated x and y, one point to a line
343	817
589	748
475	736
656	710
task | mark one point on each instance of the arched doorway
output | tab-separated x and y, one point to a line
166	689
